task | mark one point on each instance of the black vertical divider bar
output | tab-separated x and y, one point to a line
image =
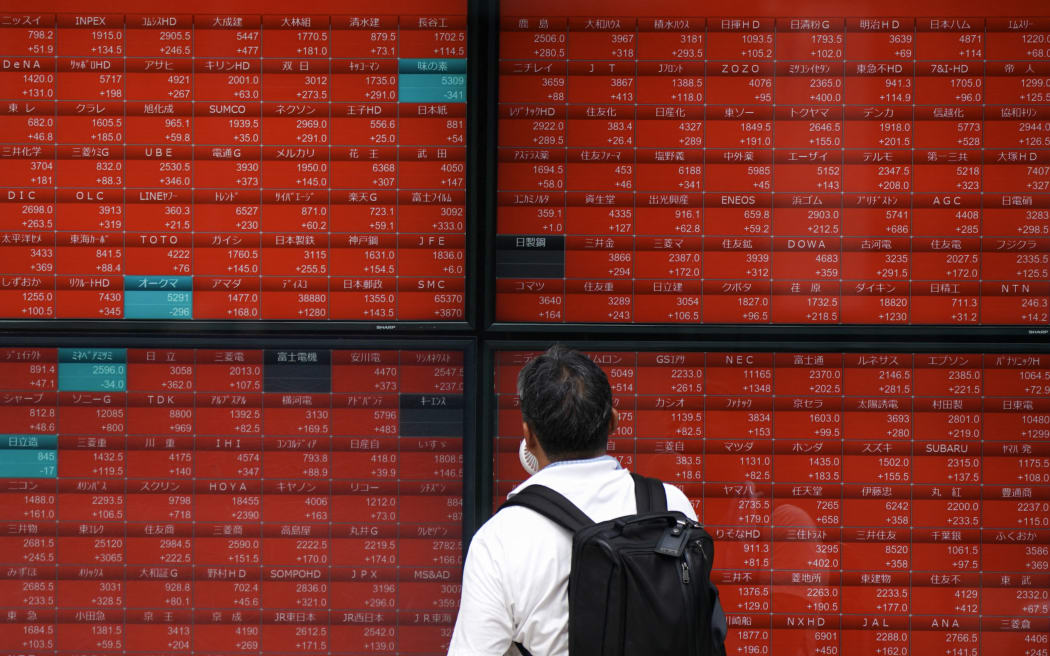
474	444
486	430
482	162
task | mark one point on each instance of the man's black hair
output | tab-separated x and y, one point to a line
567	403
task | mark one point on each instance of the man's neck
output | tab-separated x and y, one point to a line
587	458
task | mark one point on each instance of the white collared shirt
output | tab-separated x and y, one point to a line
515	578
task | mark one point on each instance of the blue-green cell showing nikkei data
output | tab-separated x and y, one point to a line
28	456
92	370
432	80
158	297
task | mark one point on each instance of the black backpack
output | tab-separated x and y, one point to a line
640	585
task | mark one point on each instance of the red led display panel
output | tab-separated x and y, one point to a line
861	503
270	501
762	163
232	160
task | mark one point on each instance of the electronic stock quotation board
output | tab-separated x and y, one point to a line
660	163
862	503
233	160
231	500
879	163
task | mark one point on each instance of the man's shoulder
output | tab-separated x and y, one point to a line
508	526
677	500
602	494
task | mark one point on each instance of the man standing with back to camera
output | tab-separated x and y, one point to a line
517	568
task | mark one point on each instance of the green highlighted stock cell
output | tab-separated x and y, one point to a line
28	456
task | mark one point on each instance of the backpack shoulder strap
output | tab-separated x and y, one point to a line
551	505
649	494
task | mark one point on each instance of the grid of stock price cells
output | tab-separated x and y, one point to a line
305	163
868	504
852	164
229	501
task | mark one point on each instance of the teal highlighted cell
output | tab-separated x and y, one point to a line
96	377
158	297
85	355
92	369
158	283
432	66
29	463
429	88
27	441
158	305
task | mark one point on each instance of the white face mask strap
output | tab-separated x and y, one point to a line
528	461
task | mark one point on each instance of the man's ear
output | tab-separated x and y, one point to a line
614	421
531	441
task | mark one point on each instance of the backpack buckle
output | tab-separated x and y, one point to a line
673	541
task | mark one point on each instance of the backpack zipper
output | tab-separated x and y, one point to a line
697	635
691	629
